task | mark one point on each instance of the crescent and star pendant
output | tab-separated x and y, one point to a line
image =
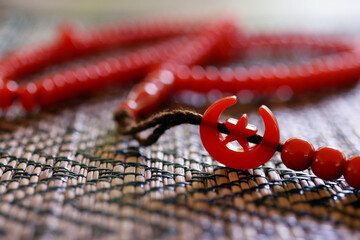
221	149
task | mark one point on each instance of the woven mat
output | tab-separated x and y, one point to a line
67	174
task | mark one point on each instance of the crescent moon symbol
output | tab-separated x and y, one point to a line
245	158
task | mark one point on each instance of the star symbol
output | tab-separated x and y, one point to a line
239	131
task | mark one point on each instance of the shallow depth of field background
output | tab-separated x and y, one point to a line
329	16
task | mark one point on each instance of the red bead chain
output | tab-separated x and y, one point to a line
173	65
336	70
122	68
73	43
90	78
327	163
161	83
340	69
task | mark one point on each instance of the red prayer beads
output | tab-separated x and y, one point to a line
199	49
328	163
73	43
352	171
172	65
296	154
341	69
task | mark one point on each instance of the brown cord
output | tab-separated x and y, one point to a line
164	121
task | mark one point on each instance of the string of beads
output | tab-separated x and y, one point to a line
174	64
73	43
339	69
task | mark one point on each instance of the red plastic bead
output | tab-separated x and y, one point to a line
148	95
60	87
82	78
28	96
70	84
328	163
296	154
47	92
7	93
352	171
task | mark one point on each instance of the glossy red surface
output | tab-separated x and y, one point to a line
174	65
296	154
233	157
28	96
7	93
198	44
328	163
352	171
73	42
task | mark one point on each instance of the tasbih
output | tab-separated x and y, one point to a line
171	59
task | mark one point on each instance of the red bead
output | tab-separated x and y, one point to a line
66	36
82	78
352	171
95	82
328	163
148	95
7	93
296	154
47	92
70	84
28	96
60	87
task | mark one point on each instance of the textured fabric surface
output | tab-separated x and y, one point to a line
67	174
